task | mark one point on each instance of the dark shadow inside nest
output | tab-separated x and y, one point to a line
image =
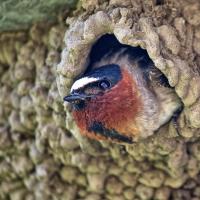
108	43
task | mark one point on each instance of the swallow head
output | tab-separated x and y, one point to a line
103	101
93	85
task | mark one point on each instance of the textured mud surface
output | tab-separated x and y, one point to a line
40	146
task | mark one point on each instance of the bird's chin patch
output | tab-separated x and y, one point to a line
79	105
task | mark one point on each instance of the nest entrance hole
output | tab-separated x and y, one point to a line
109	43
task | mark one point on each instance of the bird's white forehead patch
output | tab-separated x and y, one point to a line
80	83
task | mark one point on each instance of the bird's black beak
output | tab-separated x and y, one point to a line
75	98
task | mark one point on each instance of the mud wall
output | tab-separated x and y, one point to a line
43	156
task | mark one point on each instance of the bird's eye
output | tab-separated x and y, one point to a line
104	84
